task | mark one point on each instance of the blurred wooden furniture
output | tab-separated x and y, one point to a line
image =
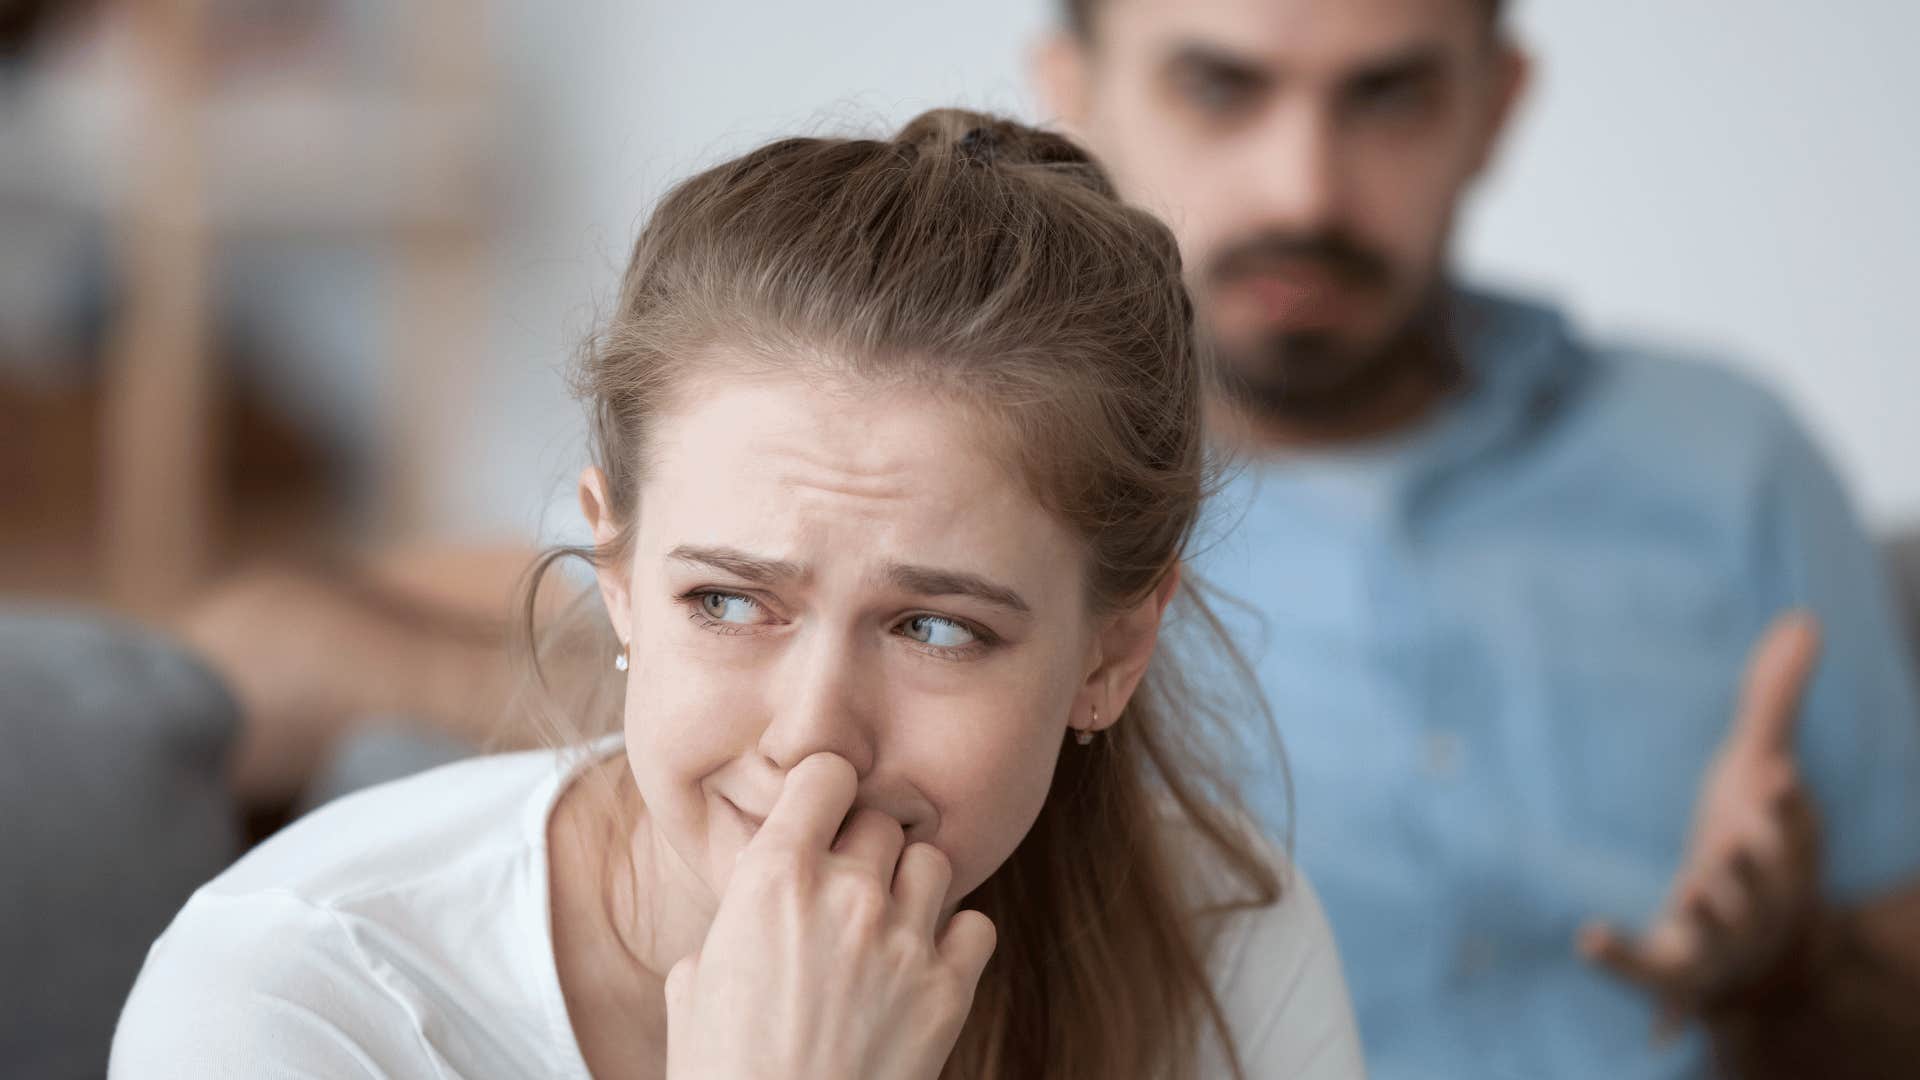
159	510
405	164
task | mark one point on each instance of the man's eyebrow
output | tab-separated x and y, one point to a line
1205	56
754	568
1413	62
929	581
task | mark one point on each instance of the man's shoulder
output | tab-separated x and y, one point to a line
1656	411
1688	396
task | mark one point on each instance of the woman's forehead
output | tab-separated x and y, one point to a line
894	474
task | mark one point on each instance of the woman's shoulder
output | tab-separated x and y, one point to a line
333	945
255	985
394	834
1275	966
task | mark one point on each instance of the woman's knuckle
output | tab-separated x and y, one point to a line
931	858
773	869
863	903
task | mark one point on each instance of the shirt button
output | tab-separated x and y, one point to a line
1477	954
1443	754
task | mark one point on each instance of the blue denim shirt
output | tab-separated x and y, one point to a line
1500	652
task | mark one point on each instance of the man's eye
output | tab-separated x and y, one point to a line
1390	97
1215	91
939	633
728	608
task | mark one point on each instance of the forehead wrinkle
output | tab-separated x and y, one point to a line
844	465
827	479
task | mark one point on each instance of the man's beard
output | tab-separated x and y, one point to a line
1314	377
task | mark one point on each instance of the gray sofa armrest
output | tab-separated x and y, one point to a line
113	750
1903	563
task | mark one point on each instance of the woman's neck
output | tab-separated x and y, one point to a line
626	908
656	905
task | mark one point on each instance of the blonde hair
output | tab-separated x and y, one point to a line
991	263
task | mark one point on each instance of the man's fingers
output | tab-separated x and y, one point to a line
1640	964
1714	911
1752	879
1613	951
813	802
1778	671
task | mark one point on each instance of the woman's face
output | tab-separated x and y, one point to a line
836	568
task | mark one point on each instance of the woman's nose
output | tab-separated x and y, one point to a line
821	702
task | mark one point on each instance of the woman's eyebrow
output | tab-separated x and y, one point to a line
760	571
929	581
921	580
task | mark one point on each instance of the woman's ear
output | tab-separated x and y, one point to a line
1124	649
615	582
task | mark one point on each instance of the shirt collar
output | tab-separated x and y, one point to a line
1521	365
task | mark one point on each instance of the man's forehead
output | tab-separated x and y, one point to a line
1304	36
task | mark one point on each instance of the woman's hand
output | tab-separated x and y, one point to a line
826	960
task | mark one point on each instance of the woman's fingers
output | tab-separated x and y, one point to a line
920	887
813	802
873	840
967	944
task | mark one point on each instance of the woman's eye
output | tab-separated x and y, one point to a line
939	633
728	608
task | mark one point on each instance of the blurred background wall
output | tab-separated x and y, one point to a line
1740	176
1733	175
412	212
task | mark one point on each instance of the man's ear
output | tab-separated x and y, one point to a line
1124	649
1058	68
1512	75
615	583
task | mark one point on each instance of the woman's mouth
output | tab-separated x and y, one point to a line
747	821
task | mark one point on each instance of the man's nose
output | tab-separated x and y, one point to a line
823	701
1291	171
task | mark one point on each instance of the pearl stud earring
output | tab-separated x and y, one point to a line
1084	736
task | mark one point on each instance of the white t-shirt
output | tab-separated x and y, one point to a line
403	932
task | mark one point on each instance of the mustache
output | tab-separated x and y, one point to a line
1276	249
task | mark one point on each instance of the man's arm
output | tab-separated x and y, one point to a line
1787	983
1845	1004
1795	938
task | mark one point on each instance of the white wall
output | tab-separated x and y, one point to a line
619	98
1737	175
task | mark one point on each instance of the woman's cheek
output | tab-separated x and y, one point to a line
691	717
989	787
677	734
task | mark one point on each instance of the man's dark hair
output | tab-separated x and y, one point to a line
1079	13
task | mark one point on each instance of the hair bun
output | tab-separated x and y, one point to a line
980	144
985	139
